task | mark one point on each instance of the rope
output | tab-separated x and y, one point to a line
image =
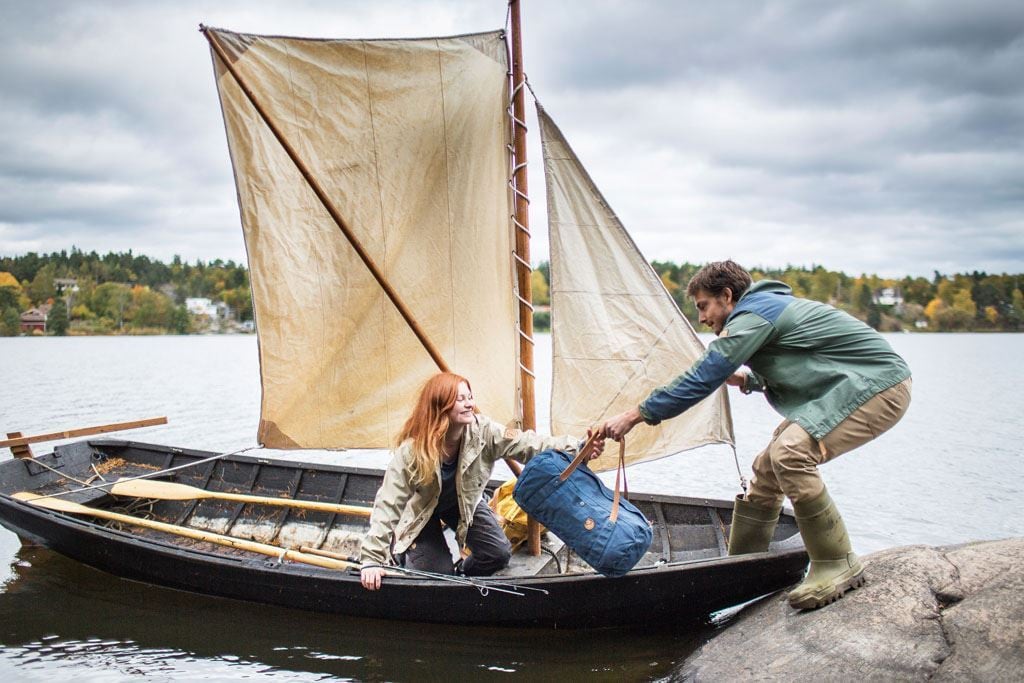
739	472
63	474
520	225
147	475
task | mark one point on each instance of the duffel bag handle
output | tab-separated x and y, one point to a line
620	470
582	456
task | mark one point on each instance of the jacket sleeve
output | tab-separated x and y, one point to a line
388	505
740	339
517	444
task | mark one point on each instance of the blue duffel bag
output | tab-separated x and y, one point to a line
604	529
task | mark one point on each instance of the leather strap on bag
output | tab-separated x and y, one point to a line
582	456
620	470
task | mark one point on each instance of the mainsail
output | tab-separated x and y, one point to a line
410	139
616	332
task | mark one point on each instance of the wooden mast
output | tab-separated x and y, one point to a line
521	218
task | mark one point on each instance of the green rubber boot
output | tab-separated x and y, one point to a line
834	568
752	527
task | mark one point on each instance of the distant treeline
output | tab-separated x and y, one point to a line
116	292
122	292
961	302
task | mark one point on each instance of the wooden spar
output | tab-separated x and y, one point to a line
314	185
83	431
522	220
61	505
166	490
20	451
522	253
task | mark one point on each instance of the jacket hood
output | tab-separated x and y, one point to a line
773	286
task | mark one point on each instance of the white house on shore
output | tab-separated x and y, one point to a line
200	305
889	296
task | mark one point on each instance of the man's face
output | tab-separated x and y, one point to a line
713	310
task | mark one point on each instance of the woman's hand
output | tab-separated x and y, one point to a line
371	577
598	447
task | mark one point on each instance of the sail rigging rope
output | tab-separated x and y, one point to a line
147	475
483	586
739	471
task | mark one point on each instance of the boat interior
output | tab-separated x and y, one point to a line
685	529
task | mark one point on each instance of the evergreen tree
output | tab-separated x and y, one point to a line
864	302
874	317
57	320
181	322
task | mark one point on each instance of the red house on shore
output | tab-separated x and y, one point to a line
35	319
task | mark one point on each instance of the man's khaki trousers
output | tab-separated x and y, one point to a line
789	465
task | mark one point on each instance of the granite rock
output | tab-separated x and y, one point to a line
943	613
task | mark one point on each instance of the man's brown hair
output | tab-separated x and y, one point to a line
715	277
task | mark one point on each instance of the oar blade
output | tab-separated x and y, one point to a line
50	503
163	490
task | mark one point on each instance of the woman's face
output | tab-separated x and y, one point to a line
462	412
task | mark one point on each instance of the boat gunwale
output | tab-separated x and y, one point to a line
720	504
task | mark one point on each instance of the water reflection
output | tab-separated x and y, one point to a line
62	618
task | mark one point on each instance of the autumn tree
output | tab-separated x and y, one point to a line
11	295
10	322
110	300
541	294
41	288
150	309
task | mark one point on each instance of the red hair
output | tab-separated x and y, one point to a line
428	423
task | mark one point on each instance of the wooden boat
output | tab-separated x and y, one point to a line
685	575
383	195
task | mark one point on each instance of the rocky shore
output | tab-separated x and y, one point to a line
935	613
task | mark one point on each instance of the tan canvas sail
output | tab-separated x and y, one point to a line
616	332
409	139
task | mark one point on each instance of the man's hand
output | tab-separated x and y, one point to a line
618	426
370	577
737	379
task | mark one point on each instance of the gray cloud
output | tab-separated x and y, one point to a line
880	136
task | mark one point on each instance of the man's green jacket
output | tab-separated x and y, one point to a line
814	363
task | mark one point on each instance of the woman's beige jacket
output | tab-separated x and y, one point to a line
403	510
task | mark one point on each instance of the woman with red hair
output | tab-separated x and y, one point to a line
437	474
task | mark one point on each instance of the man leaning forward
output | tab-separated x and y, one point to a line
838	384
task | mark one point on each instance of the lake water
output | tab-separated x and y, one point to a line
949	473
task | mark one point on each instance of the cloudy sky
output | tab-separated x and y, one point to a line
880	136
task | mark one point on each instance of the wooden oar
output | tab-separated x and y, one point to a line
61	505
166	490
